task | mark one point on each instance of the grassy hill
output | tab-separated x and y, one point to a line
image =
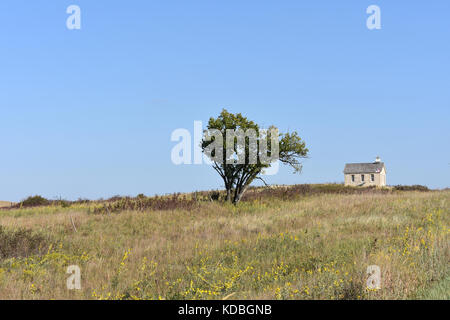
299	242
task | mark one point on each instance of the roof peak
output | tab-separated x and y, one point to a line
365	163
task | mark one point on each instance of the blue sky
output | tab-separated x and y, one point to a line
89	113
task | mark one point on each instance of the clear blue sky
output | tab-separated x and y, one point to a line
89	113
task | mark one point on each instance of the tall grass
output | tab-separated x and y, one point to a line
312	243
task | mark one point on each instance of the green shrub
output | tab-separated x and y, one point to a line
214	195
34	201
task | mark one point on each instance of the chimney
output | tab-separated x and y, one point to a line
377	160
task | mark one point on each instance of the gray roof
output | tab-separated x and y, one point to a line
374	167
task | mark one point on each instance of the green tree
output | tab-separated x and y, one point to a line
234	159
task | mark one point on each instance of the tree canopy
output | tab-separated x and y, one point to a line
240	150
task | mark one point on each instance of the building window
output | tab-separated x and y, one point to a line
372	177
362	178
353	178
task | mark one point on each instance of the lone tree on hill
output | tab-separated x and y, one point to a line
240	151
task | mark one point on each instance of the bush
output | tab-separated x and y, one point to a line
20	243
214	196
82	201
415	187
143	204
301	190
63	203
34	202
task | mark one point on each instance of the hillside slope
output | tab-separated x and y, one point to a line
316	246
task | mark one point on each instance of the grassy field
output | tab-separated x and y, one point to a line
281	245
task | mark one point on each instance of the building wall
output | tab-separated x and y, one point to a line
383	178
379	179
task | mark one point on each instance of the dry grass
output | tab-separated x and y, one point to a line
313	247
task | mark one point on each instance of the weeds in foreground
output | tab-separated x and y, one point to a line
311	247
21	243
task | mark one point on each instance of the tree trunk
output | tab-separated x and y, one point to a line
229	189
238	194
228	198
